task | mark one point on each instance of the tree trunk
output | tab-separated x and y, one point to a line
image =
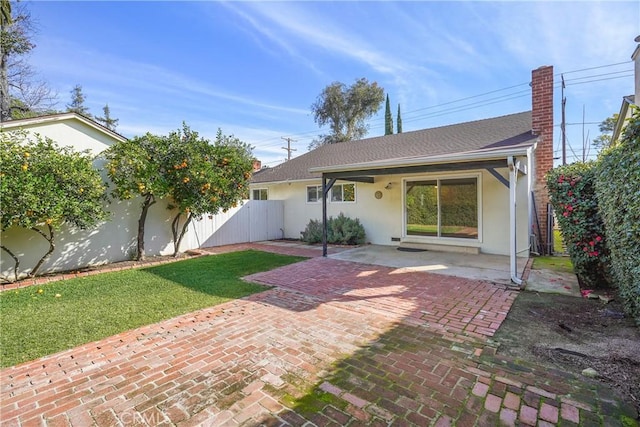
4	83
175	226
16	263
148	201
51	248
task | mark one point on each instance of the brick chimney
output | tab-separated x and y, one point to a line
542	125
257	165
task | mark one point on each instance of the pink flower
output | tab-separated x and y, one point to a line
566	214
569	208
595	253
598	238
570	193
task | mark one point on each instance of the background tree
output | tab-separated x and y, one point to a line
399	120
606	129
5	12
43	186
137	168
22	93
345	110
108	122
77	102
204	178
388	119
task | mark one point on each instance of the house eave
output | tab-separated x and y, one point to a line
19	123
466	157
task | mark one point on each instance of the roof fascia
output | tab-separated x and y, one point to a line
473	156
59	118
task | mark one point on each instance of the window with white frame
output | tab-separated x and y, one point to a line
343	193
260	194
314	193
442	208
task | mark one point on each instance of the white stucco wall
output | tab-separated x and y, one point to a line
383	218
71	132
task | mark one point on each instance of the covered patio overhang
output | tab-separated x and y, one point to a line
486	159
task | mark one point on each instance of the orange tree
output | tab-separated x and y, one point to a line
137	168
43	186
204	178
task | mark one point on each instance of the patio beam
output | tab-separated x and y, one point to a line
442	167
365	179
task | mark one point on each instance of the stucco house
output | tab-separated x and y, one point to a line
68	129
472	187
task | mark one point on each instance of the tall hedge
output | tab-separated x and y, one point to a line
618	191
572	194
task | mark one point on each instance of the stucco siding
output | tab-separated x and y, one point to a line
383	219
73	133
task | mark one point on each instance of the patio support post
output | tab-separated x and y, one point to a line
513	178
324	216
326	187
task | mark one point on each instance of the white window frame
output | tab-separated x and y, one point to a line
342	191
318	194
259	189
438	177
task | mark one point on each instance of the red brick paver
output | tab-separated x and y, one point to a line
388	346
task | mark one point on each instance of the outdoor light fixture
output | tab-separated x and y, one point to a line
388	186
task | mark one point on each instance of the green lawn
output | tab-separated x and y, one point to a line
555	263
432	229
41	320
557	242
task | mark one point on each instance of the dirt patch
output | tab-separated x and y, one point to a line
574	334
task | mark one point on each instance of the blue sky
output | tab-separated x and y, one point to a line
253	69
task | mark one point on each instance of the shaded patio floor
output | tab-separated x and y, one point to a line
492	268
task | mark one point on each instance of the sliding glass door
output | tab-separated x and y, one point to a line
442	208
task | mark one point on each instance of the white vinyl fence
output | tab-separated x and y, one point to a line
254	221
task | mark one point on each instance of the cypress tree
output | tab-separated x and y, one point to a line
388	119
399	120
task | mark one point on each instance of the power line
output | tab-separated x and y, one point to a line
599	75
596	68
599	80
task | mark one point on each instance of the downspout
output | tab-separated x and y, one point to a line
513	178
530	174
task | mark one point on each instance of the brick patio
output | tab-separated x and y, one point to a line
334	343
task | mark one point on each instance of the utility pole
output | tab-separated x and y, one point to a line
564	125
288	147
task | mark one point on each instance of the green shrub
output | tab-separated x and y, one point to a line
345	231
572	194
341	230
618	191
313	232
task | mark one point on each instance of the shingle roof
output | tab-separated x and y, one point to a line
498	132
